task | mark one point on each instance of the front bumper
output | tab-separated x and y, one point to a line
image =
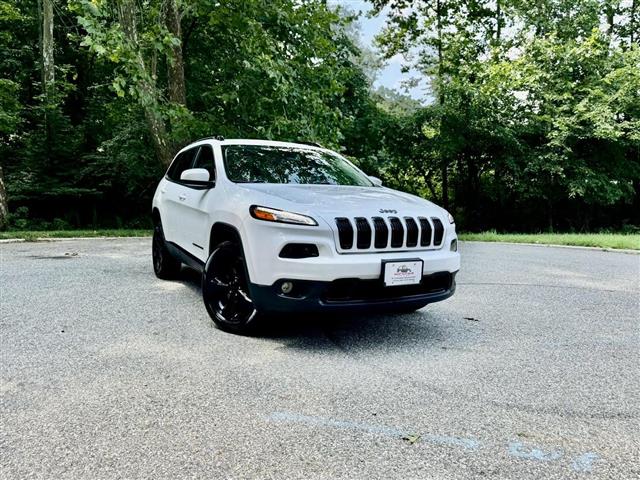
263	241
352	294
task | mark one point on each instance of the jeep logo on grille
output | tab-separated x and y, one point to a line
384	210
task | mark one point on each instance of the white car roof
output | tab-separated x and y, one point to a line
247	141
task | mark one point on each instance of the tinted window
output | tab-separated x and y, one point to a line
268	164
181	163
205	160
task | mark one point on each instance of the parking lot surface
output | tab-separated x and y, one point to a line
529	371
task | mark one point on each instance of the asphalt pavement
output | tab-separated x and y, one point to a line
530	371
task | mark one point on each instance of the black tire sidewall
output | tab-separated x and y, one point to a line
170	266
227	248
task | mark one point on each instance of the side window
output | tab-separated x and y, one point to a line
180	164
205	160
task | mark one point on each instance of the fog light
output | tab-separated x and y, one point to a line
286	287
454	245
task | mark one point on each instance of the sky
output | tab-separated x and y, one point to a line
390	75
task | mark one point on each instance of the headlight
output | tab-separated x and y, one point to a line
451	220
275	215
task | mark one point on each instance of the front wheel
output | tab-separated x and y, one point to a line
225	290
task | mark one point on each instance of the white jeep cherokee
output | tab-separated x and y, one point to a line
290	227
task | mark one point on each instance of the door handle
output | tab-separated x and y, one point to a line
182	196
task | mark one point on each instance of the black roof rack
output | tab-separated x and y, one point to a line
313	144
212	137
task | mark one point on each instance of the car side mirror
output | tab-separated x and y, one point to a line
376	181
197	177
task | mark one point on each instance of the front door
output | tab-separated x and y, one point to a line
174	195
194	213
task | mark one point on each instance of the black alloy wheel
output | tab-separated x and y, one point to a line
225	290
165	265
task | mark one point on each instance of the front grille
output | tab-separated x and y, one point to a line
378	233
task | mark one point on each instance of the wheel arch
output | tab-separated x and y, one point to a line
220	232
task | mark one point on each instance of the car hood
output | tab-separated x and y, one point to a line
331	201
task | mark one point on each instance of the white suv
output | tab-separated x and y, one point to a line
290	227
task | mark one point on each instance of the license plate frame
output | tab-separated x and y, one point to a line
401	277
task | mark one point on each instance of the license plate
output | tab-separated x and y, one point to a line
408	272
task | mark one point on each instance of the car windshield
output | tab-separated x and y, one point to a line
298	165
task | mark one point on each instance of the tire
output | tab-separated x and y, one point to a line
165	265
225	291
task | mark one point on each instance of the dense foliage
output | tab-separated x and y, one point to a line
532	120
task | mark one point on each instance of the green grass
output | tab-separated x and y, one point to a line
602	240
31	235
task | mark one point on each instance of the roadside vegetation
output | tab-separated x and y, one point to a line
530	119
601	240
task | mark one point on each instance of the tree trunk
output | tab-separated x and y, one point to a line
4	207
440	55
175	64
498	22
429	184
445	186
445	163
48	65
632	23
610	12
149	93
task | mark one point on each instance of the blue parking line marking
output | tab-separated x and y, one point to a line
583	463
517	449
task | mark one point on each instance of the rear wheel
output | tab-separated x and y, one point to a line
165	265
225	290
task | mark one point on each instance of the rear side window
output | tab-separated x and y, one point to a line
181	163
205	160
